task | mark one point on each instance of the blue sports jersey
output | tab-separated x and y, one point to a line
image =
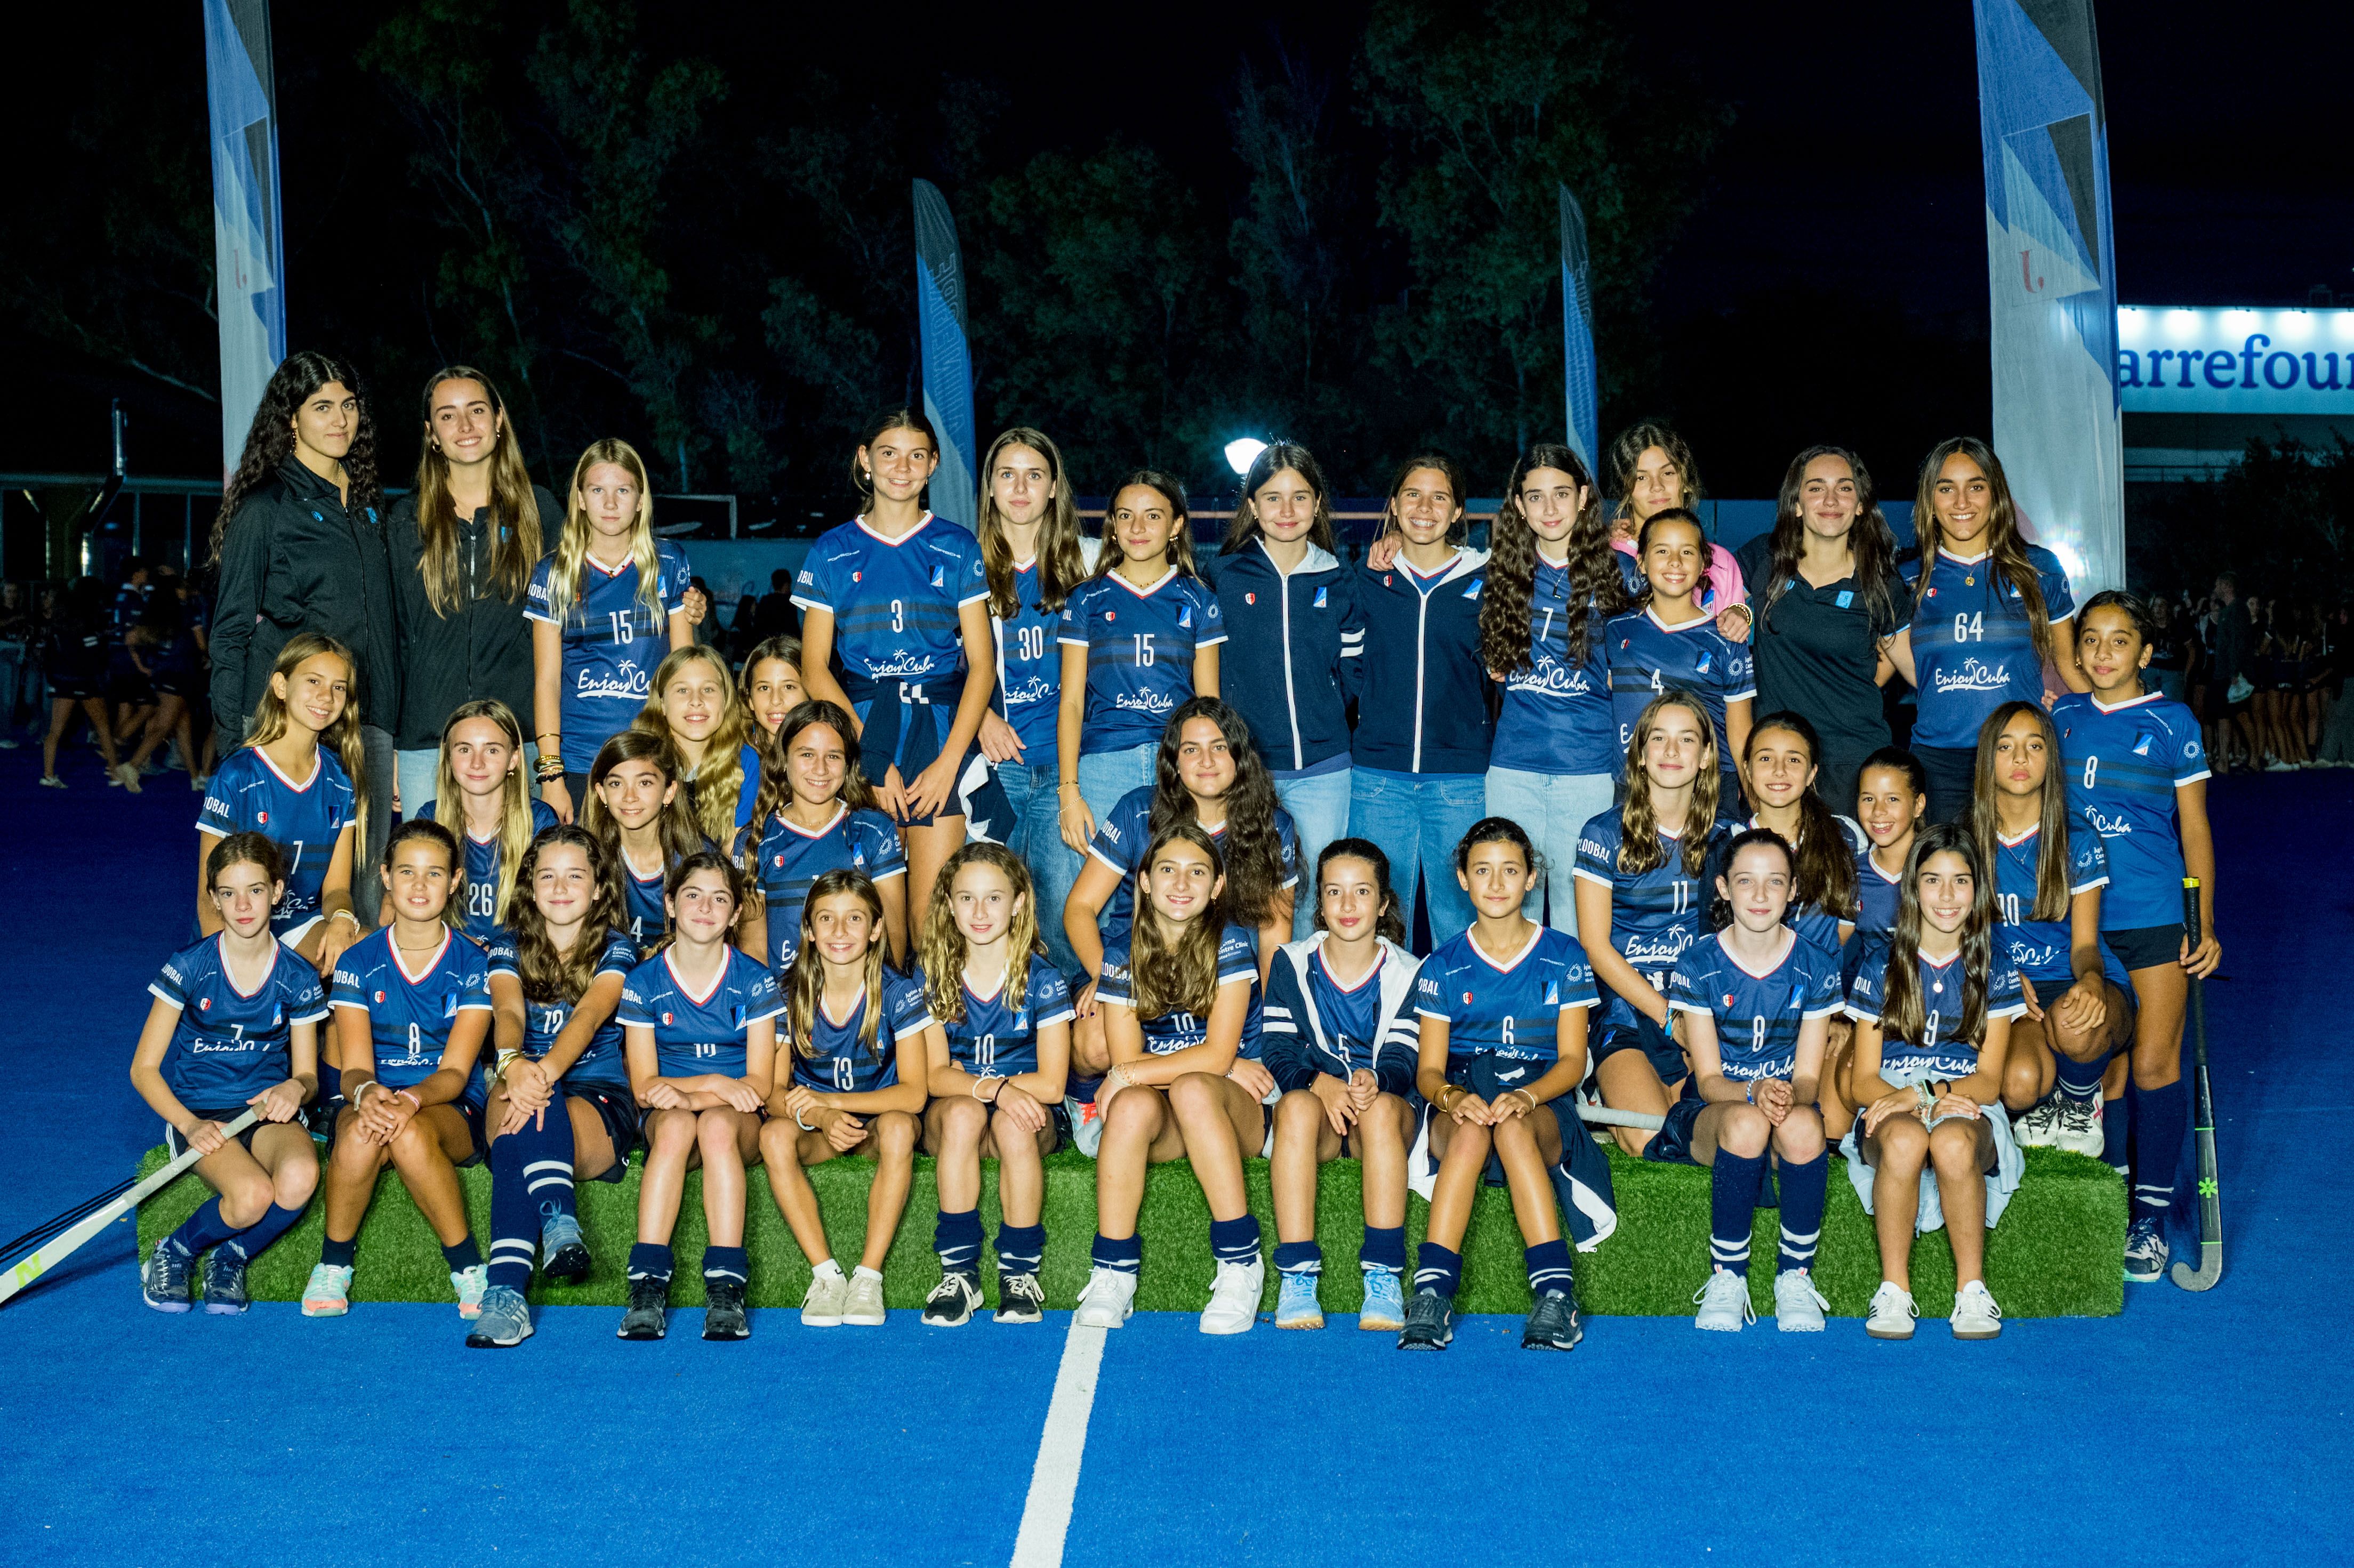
1973	650
1809	919
1140	644
230	1045
698	1034
2039	949
1030	670
2123	765
601	1064
248	793
483	868
410	1012
1126	834
1654	915
1237	964
993	1040
612	644
1940	1052
1556	715
1510	1009
790	858
1877	895
1756	1016
895	602
1352	1017
643	914
1645	658
748	759
839	1062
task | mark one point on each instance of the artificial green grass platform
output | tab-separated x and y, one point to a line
2056	1253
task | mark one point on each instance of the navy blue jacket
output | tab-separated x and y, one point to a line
1296	705
1425	703
1296	1043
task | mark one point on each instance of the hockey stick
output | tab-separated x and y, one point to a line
1603	1116
49	1255
2210	1197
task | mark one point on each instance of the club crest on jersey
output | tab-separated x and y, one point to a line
856	577
1466	999
666	1020
1250	598
1553	993
1184	617
940	577
1473	591
261	819
1728	999
379	996
1110	614
204	1004
1701	668
778	863
1320	598
2141	747
450	1005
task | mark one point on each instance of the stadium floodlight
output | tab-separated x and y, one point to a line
1243	451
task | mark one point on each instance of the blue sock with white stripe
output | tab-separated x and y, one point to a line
1385	1248
1020	1248
203	1229
650	1260
1298	1257
1803	1188
726	1264
957	1238
1234	1241
1438	1269
531	1168
274	1222
2160	1118
1122	1257
1731	1207
2078	1081
1549	1267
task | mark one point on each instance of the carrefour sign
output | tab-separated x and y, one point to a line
2234	361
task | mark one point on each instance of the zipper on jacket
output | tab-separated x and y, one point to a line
1421	620
1290	703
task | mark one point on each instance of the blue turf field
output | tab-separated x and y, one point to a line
127	1436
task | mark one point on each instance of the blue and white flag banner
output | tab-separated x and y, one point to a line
242	94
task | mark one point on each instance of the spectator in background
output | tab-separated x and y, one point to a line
2169	656
131	599
2227	646
775	616
15	646
707	629
73	650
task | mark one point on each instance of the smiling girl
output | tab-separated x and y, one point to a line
815	815
636	811
693	702
480	786
1653	469
1781	767
1669	642
770	681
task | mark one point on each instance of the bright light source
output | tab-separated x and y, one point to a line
1243	451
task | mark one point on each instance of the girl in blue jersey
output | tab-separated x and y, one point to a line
1931	1145
699	1035
1892	796
234	1023
1138	638
412	1006
1756	999
1641	890
815	815
1989	613
638	813
1182	1003
856	1035
903	600
1501	1014
2137	770
1035	556
480	783
1668	641
771	683
2050	868
693	702
291	781
1781	765
996	1060
561	1110
605	606
1341	1041
1553	582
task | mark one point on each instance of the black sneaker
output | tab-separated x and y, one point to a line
225	1282
648	1315
1429	1322
1020	1298
1553	1326
164	1278
951	1304
723	1311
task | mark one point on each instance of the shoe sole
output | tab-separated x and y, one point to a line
1426	1344
336	1309
1244	1326
1733	1328
1080	1321
224	1308
2091	1149
1024	1315
2133	1278
1380	1325
1888	1333
1799	1327
1529	1344
662	1332
1978	1334
163	1306
1316	1322
484	1343
820	1321
725	1336
875	1322
568	1266
958	1321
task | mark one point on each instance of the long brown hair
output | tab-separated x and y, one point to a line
453	908
2051	847
1627	451
514	794
804	982
515	547
270	439
1270	461
1640	848
1253	858
1596	592
1869	539
1184	978
1822	863
675	826
1458	530
341	737
1389	924
718	786
1062	565
1903	1016
776	784
546	974
2001	537
941	947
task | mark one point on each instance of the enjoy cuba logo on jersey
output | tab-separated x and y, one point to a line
1664	949
1551	678
1973	677
1033	690
1154	702
2109	827
628	680
899	666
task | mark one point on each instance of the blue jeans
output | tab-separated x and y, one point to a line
1418	822
1320	813
1037	839
1550	808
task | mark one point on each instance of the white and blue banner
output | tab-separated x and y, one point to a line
2052	272
1578	364
947	359
248	261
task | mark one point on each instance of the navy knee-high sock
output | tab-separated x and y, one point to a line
548	1173
1385	1248
2116	1130
203	1229
1802	1211
515	1212
2078	1080
275	1222
2159	1121
957	1238
1731	1208
1234	1241
1549	1266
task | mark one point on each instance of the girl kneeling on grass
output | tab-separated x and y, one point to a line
1502	1011
1182	1021
1933	1007
1757	1000
857	1087
234	1023
560	1109
1340	1042
412	1004
699	1030
996	1063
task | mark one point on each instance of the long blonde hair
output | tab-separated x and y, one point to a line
1184	978
805	981
572	545
941	948
719	783
1639	849
515	547
514	795
271	720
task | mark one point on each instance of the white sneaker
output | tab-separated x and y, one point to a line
1723	1302
1798	1307
1976	1317
822	1308
469	1283
1891	1313
2035	1126
1233	1297
1110	1297
2077	1126
863	1307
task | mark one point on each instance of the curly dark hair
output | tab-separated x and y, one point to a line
1252	853
1596	591
270	438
